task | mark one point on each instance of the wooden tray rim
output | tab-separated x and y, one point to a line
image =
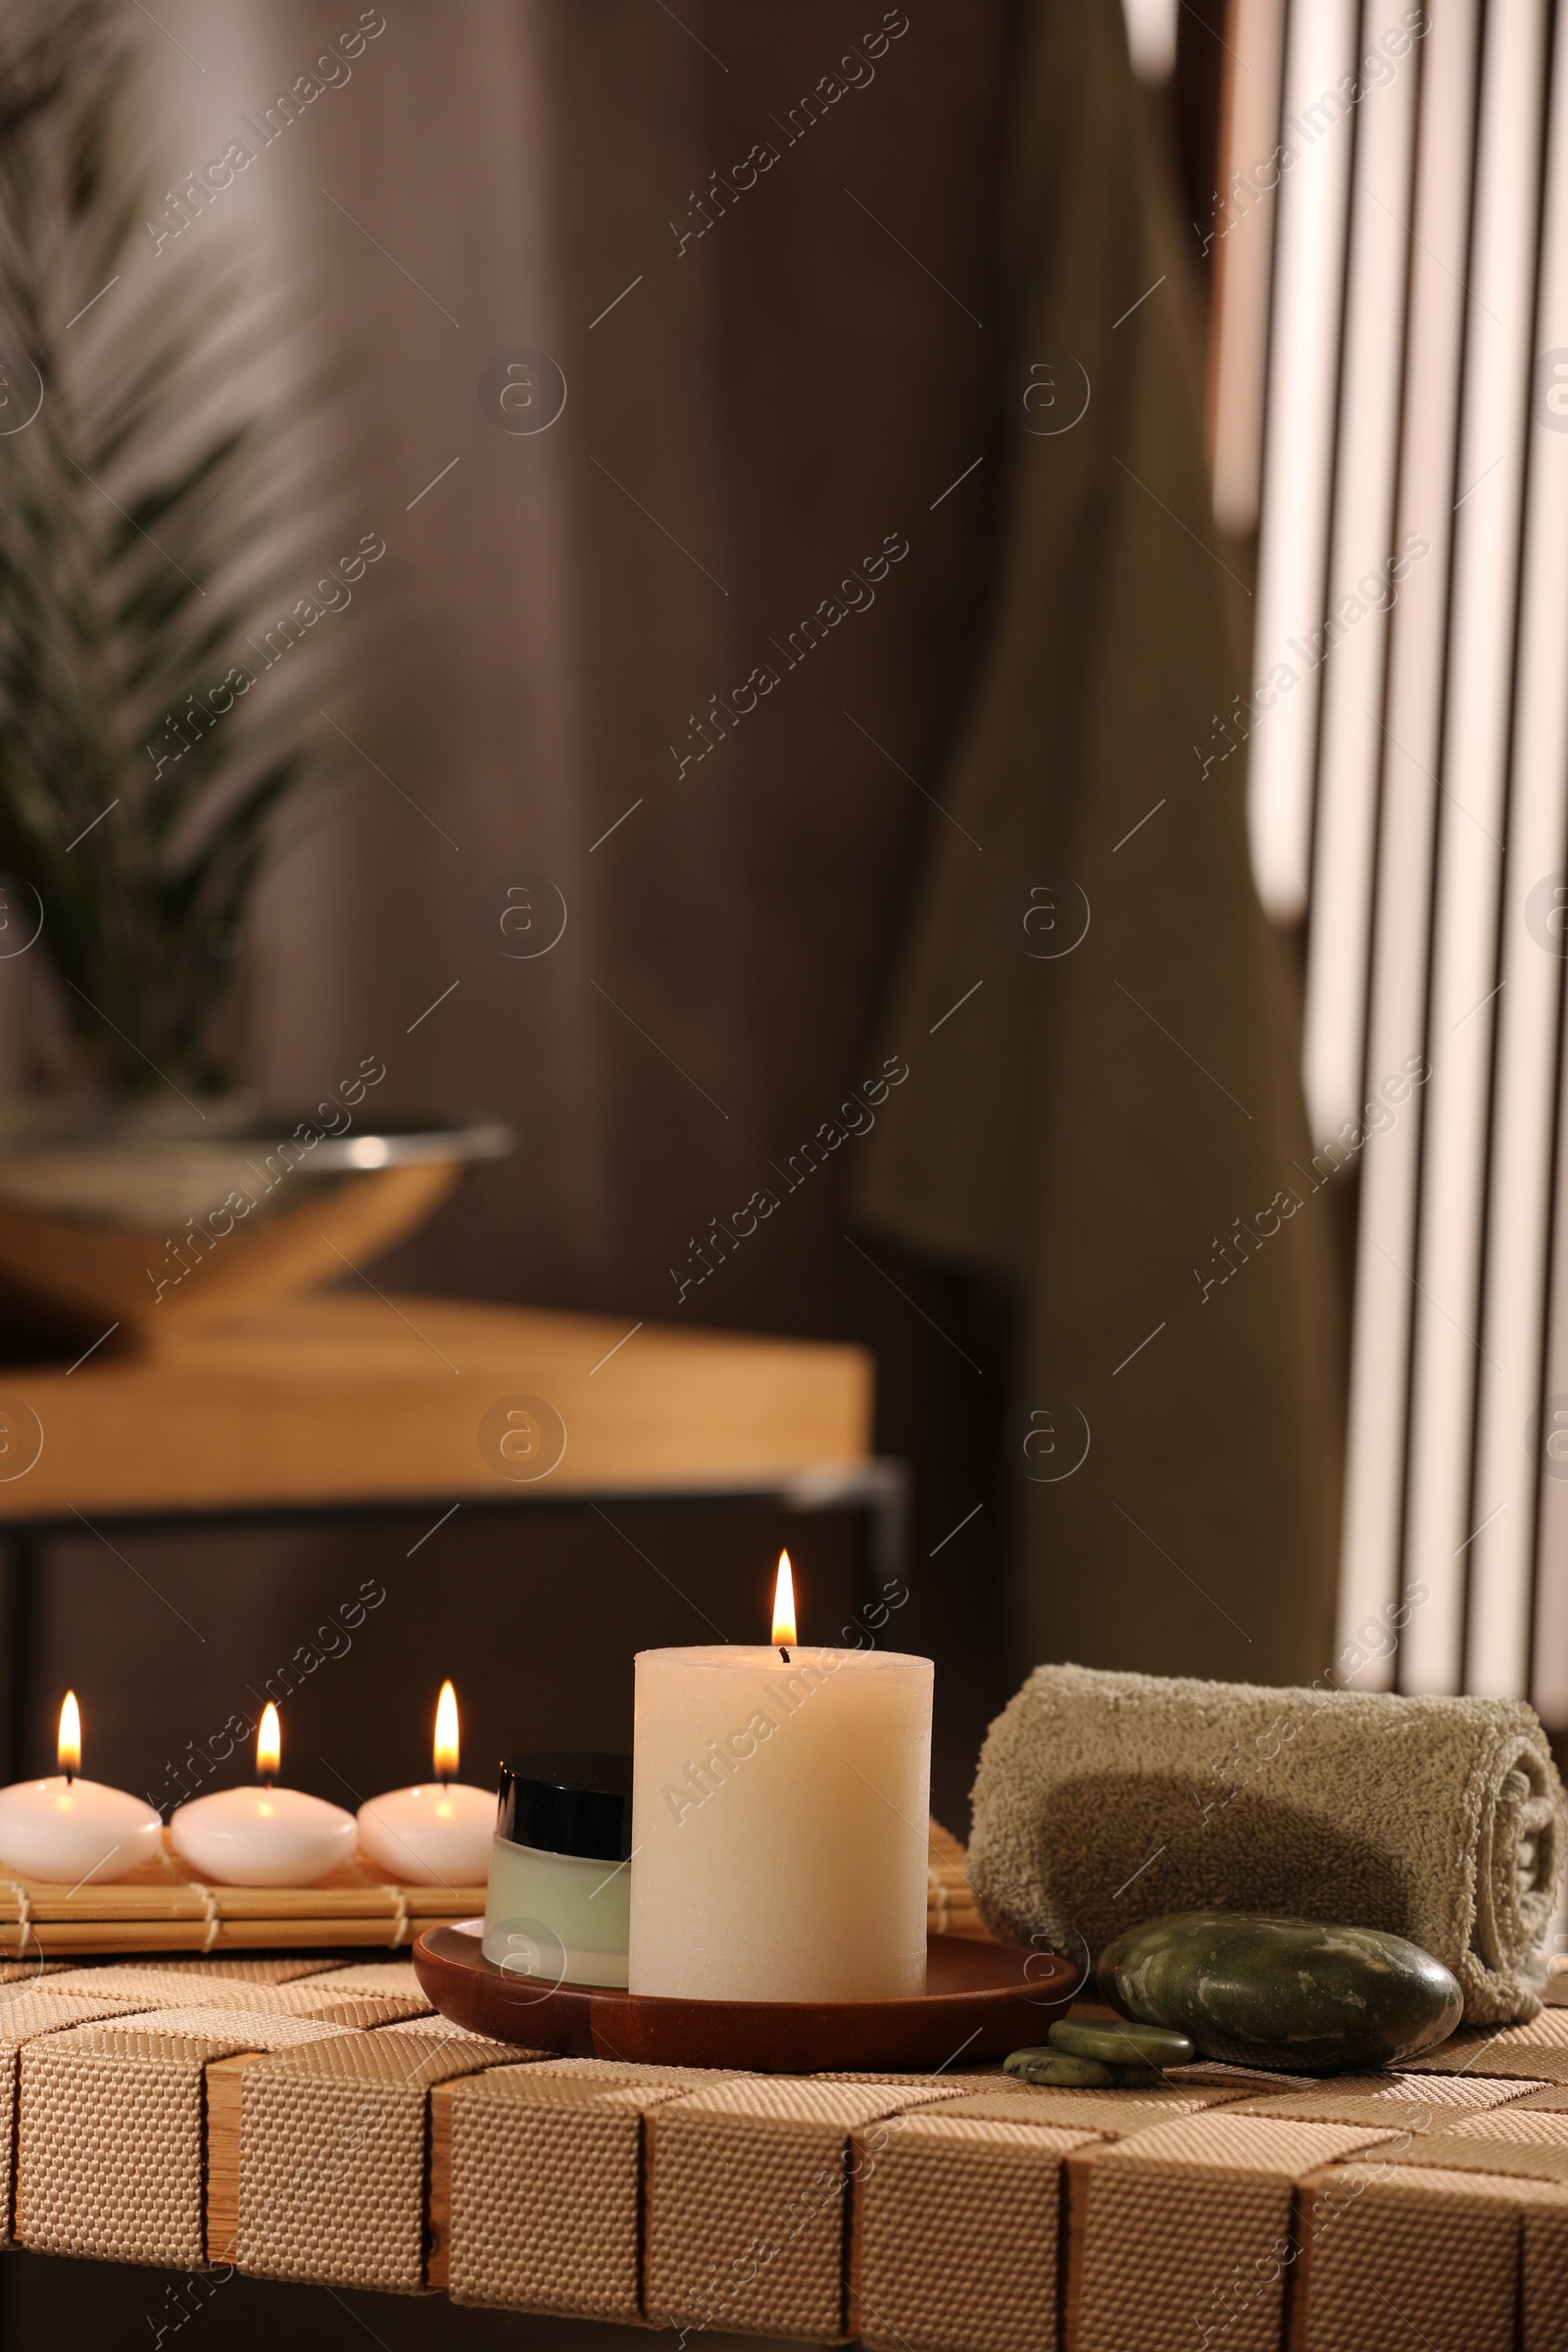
593	2021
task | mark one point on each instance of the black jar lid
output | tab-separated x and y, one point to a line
567	1804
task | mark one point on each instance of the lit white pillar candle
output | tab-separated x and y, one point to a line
71	1832
265	1835
439	1833
780	1802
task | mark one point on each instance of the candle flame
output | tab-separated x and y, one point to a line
69	1746
784	1604
446	1734
269	1743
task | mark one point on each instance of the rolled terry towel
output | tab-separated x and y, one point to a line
1105	1800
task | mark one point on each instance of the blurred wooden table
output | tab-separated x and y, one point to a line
356	1401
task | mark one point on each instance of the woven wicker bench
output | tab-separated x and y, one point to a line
312	2120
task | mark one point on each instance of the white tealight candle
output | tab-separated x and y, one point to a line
71	1832
780	1802
436	1835
263	1836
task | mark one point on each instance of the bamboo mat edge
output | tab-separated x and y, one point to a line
167	1908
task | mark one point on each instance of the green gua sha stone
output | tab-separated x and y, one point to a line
1060	2072
1117	2041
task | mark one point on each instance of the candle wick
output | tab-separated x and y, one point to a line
783	1653
266	1780
69	1777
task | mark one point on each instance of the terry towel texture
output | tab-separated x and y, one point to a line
1103	1800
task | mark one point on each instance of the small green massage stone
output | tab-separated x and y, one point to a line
1135	2074
1059	2072
1120	2042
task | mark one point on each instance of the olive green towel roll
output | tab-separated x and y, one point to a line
1103	1800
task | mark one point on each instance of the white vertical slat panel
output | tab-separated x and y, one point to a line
1548	1685
1412	717
1501	283
1360	561
1152	37
1528	1011
1298	458
1244	229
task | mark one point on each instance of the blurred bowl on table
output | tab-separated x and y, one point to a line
128	1213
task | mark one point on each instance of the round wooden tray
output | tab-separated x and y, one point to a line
981	2001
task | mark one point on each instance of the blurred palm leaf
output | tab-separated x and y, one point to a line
135	524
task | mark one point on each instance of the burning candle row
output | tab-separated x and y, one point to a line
71	1831
765	1842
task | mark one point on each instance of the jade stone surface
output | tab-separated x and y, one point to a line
1291	1995
1061	2073
1120	2042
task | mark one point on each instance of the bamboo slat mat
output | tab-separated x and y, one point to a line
166	1907
950	1905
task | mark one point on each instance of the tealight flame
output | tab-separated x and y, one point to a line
784	1605
268	1744
69	1746
446	1734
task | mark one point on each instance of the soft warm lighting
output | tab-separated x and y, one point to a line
269	1743
69	1747
446	1734
1152	37
784	1605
